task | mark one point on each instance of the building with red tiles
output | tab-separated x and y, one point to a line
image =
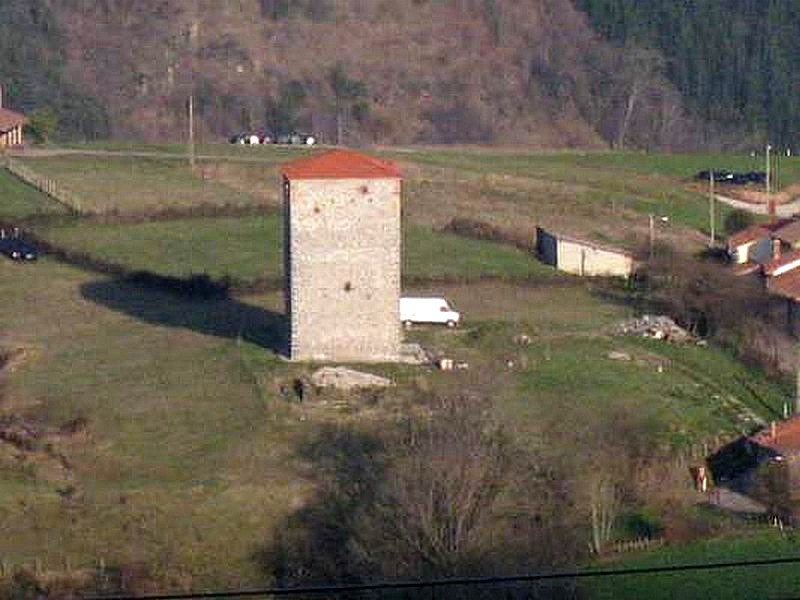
342	257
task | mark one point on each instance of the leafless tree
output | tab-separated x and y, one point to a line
436	502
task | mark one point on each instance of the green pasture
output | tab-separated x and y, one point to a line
191	458
135	184
685	392
599	184
18	200
249	248
599	194
185	462
776	581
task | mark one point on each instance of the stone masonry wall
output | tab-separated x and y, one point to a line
343	267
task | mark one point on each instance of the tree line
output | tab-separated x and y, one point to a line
735	61
32	73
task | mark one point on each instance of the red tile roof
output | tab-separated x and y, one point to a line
777	223
786	438
750	234
786	285
10	119
340	164
789	233
747	268
783	260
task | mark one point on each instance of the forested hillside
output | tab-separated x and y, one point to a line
624	73
393	71
735	60
32	70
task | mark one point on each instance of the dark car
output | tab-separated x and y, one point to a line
720	175
17	248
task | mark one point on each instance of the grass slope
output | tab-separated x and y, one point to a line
602	195
246	248
18	200
191	458
135	184
779	581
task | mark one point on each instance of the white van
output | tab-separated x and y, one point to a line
427	310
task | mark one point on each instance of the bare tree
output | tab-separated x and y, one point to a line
604	502
642	68
436	502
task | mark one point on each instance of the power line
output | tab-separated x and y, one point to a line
441	583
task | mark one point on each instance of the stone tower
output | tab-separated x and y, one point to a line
342	257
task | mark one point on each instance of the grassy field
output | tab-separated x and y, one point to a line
605	196
18	200
779	581
247	248
190	457
568	189
135	184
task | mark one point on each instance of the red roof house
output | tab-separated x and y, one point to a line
11	124
783	263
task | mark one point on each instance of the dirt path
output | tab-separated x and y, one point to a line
782	210
53	152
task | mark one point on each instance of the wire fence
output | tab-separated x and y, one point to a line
45	185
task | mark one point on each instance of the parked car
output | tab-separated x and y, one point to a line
720	175
247	138
304	138
427	310
17	248
732	177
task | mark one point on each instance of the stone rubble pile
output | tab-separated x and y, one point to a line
342	378
658	327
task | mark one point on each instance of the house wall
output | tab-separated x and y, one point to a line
579	258
761	251
343	269
13	137
741	253
585	260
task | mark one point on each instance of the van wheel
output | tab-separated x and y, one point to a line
451	324
407	324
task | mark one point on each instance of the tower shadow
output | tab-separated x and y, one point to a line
221	316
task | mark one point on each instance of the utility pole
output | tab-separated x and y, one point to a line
194	36
191	131
768	165
711	211
652	235
797	385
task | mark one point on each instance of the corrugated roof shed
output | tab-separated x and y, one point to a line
340	164
10	119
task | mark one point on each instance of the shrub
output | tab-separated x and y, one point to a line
737	220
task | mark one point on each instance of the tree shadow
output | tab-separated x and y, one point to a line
346	533
314	545
219	315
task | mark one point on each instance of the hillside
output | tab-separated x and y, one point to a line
397	71
733	61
